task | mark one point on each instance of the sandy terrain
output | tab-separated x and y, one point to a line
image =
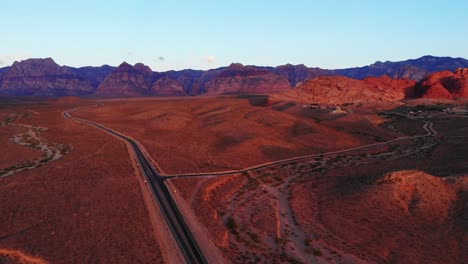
402	202
13	153
386	205
85	207
215	134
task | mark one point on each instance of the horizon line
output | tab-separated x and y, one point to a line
226	66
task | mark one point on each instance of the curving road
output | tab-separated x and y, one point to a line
163	198
428	127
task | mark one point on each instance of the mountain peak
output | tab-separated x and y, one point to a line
236	66
142	68
43	77
124	67
36	61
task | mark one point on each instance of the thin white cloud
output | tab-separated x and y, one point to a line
211	59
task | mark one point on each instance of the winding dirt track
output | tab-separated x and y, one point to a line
165	201
428	126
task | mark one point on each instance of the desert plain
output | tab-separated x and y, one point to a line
377	183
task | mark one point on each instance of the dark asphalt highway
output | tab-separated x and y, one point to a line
161	193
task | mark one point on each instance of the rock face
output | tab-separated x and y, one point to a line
444	84
3	70
166	86
403	88
340	90
43	77
188	79
296	74
240	79
95	75
126	81
416	69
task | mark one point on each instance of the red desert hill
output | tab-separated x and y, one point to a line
127	80
445	84
339	90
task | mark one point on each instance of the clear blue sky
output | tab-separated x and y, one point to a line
208	34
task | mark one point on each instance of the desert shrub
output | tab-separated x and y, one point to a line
231	225
254	237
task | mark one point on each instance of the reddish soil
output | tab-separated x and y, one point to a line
400	204
85	207
403	217
12	153
14	256
215	134
215	190
404	202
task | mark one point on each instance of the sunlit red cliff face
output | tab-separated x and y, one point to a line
444	84
340	90
402	87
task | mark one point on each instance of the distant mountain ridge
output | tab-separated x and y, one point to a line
415	69
43	77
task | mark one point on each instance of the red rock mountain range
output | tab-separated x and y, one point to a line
445	84
382	81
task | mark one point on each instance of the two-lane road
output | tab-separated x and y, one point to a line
164	199
166	203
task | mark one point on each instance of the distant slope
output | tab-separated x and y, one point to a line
95	75
240	79
340	90
3	70
416	69
126	80
44	77
444	84
296	74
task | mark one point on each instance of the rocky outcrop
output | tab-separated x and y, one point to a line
240	79
166	86
444	84
402	88
2	71
95	75
126	81
416	69
43	77
189	79
296	74
340	90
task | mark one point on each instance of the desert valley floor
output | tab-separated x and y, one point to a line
257	180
